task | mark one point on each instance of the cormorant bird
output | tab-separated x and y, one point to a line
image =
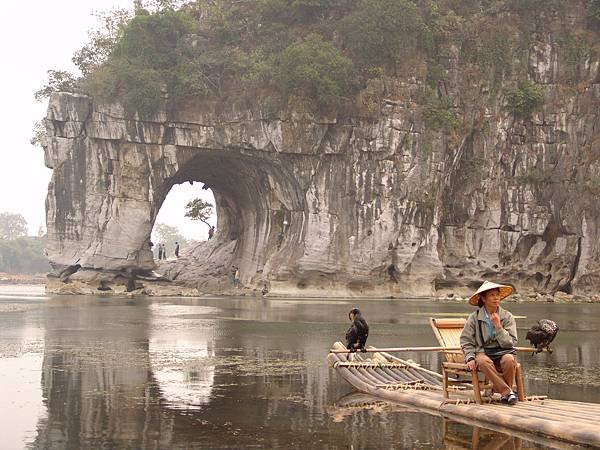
356	336
541	334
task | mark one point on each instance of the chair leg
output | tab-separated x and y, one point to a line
476	438
476	390
488	392
445	383
519	381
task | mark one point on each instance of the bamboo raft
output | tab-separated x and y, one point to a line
396	380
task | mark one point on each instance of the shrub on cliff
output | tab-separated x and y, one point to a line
144	60
382	32
440	115
314	70
525	99
297	11
593	10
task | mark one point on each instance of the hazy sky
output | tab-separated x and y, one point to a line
37	35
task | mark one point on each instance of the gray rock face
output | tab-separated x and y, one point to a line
324	206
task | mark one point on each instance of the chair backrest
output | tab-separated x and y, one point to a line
447	332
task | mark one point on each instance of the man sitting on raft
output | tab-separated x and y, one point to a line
489	337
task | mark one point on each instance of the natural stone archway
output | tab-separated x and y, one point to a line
358	196
253	196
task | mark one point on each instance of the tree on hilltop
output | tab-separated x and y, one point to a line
58	81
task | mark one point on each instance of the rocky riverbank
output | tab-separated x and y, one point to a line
19	279
174	289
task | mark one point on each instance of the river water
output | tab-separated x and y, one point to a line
99	372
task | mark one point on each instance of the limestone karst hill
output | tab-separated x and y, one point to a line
478	159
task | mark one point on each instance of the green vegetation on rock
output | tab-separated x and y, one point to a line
314	70
150	53
440	115
525	99
383	32
594	10
316	55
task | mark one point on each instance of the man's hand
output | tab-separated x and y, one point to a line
472	365
495	318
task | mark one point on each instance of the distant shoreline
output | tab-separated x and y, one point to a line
41	279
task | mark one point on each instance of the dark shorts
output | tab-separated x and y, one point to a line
496	354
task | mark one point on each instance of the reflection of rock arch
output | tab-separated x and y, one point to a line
87	380
180	362
102	392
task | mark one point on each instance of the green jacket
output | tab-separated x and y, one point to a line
470	338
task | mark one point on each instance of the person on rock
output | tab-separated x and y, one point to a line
164	252
489	337
176	249
392	272
237	282
160	252
211	232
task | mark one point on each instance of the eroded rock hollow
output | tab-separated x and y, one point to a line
336	206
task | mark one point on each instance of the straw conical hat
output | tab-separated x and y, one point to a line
505	291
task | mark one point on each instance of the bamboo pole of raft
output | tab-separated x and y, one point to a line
385	378
399	349
582	433
413	365
419	349
546	413
547	442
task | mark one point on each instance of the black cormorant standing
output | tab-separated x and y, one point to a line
357	334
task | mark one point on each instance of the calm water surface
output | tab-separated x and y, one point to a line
93	372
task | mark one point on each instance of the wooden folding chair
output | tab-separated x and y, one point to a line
447	332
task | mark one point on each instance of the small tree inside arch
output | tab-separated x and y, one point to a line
198	209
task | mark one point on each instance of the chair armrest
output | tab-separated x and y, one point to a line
452	365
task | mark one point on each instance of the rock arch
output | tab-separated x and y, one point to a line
260	208
112	174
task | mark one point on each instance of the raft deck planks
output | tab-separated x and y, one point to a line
396	380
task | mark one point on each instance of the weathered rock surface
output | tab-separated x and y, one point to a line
324	206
